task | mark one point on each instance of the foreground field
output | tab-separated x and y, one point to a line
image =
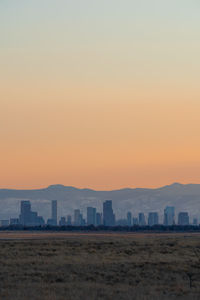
103	266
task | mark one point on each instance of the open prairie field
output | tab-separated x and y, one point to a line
53	266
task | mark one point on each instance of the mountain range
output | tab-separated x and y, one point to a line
185	197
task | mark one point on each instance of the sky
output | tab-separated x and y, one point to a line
99	94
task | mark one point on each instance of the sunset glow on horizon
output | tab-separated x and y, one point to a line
99	94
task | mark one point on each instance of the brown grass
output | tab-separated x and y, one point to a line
93	266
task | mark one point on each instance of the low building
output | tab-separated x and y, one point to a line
195	222
14	221
135	221
4	223
69	220
62	221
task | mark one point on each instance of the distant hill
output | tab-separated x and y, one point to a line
183	197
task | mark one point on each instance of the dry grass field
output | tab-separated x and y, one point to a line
56	266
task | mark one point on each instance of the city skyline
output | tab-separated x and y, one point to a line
182	197
106	217
103	94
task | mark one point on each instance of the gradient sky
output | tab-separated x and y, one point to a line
101	94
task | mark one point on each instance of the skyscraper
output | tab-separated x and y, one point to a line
129	218
77	217
54	212
98	219
25	213
141	218
108	215
28	217
169	215
183	218
153	218
91	216
82	221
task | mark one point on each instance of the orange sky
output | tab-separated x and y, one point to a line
110	108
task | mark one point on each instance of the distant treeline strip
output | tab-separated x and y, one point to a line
101	228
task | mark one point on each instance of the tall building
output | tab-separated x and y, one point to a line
28	217
141	219
91	216
77	217
82	221
153	218
54	212
108	215
98	219
129	218
25	213
183	218
169	216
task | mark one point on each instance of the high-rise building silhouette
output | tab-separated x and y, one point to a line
129	218
153	218
77	217
81	220
141	219
91	216
25	213
54	212
98	219
169	216
183	218
28	217
108	215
